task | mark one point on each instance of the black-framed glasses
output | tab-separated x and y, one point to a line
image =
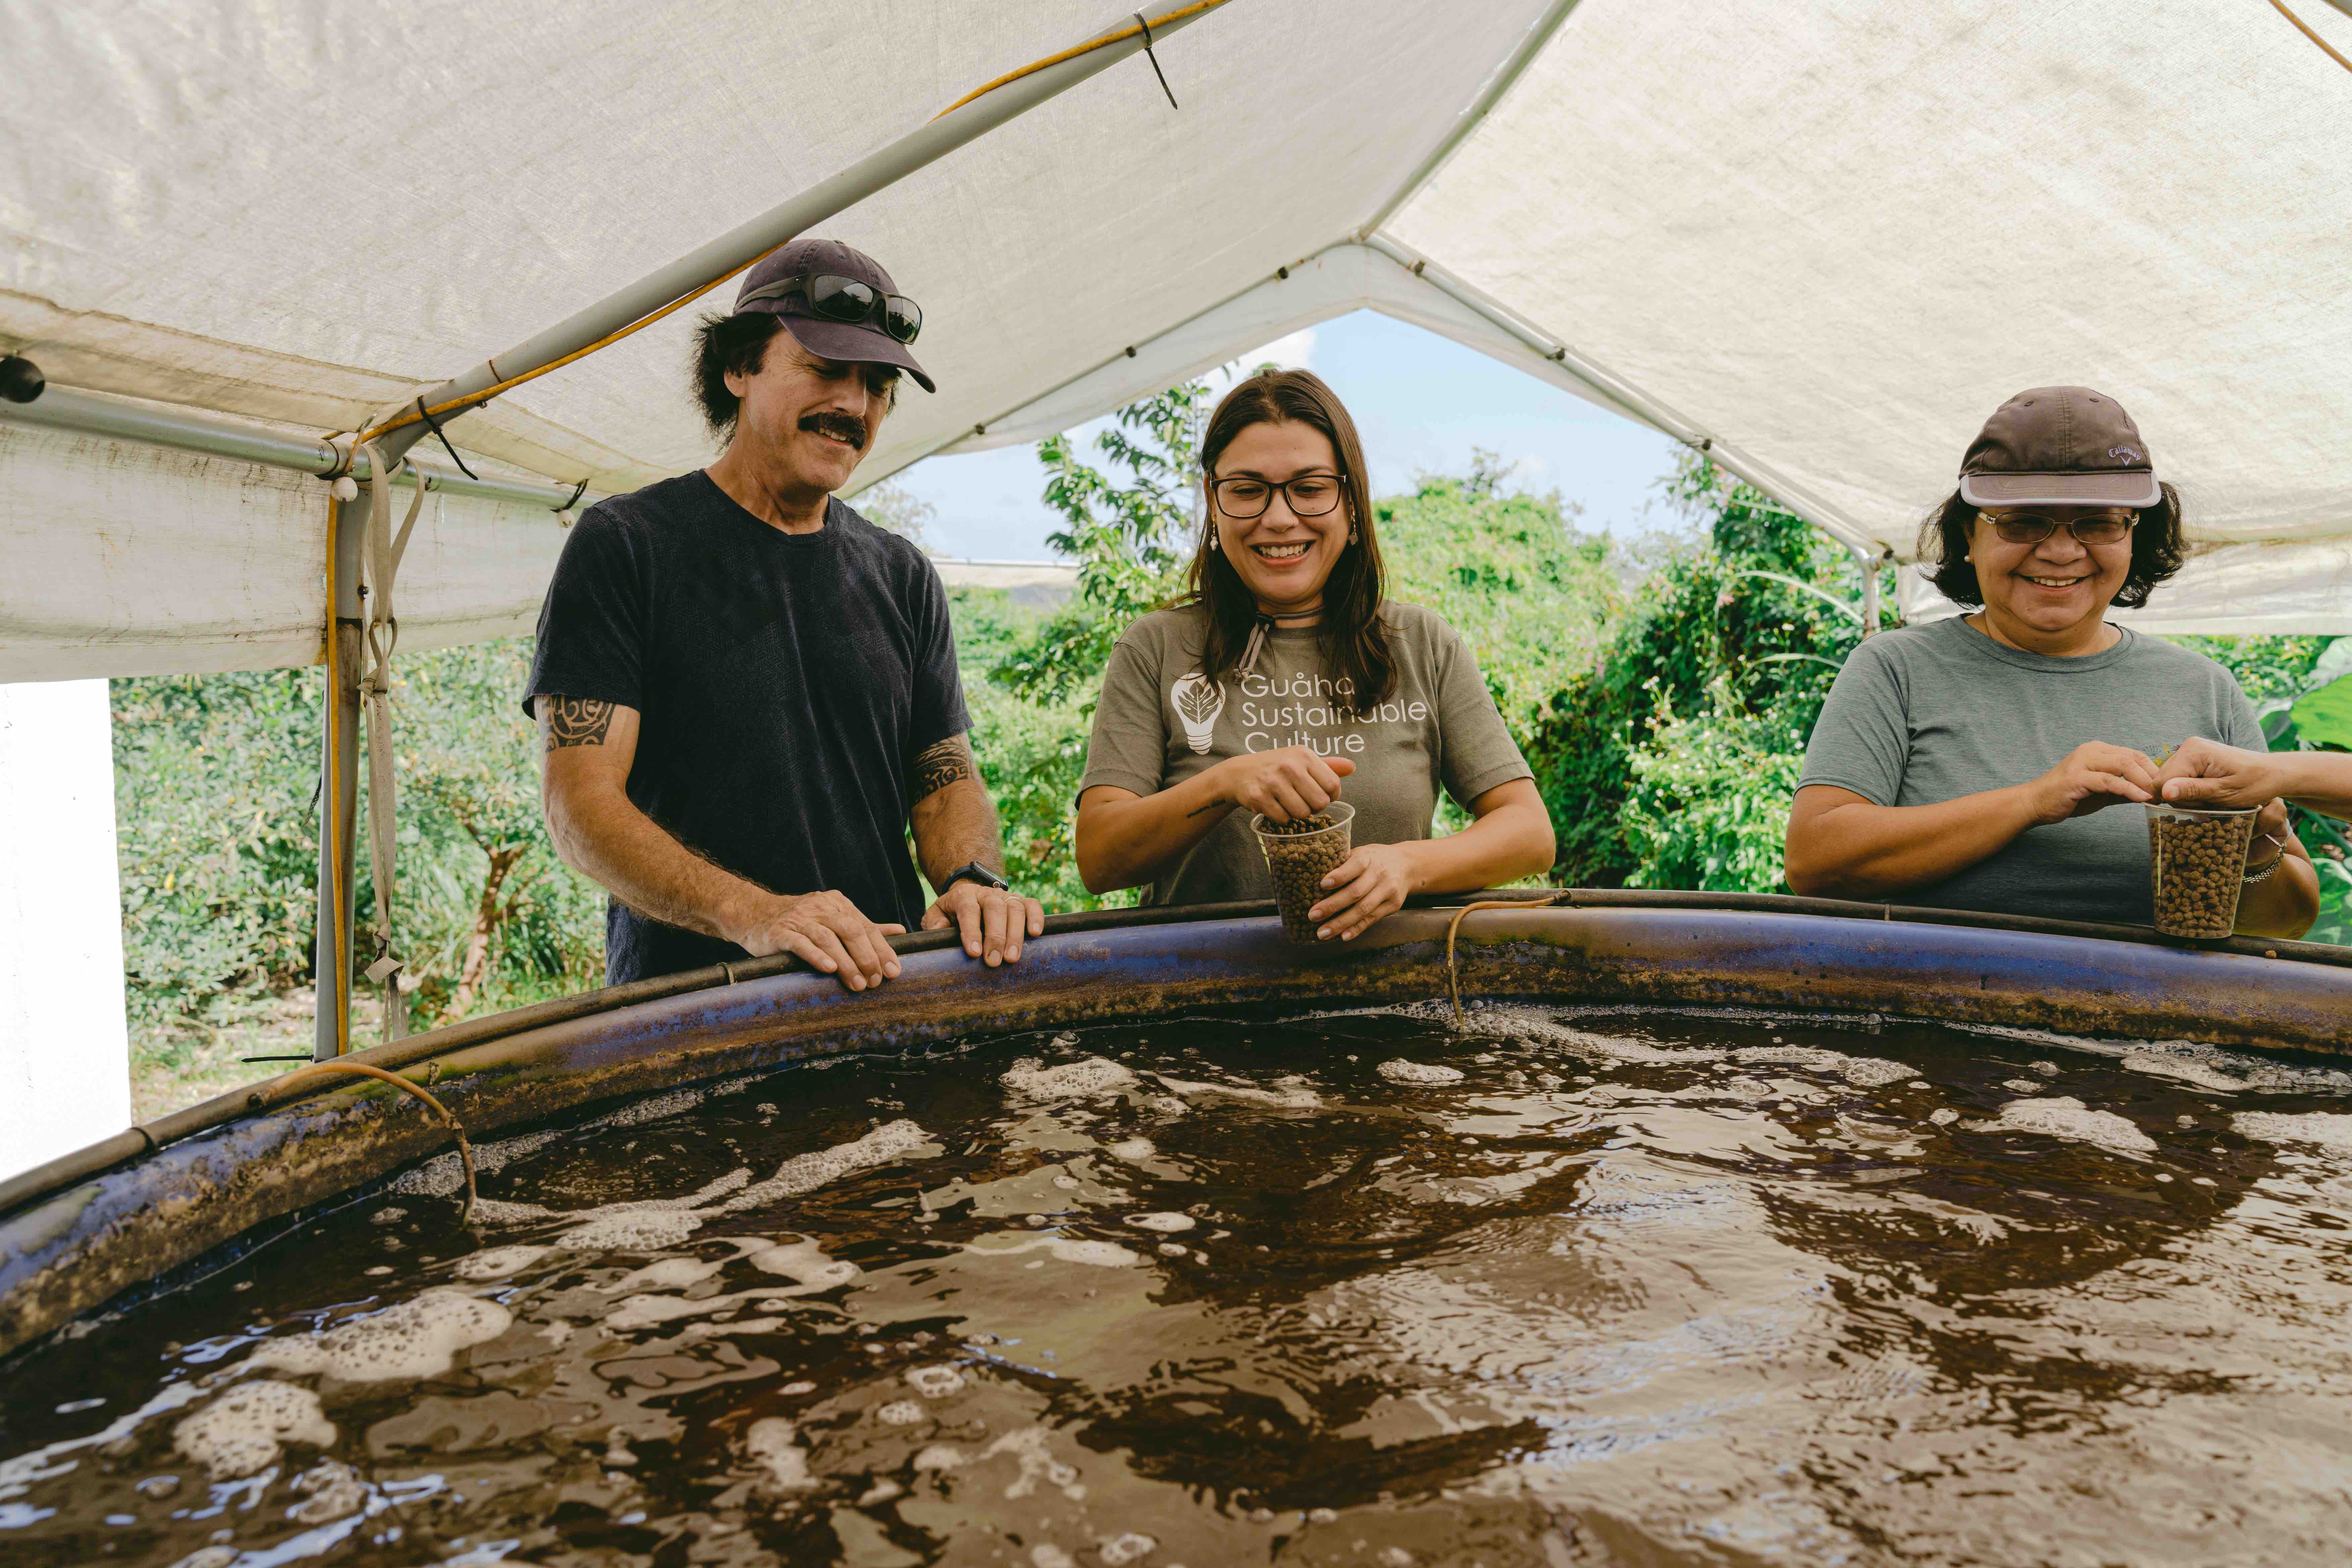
2032	528
838	298
1308	495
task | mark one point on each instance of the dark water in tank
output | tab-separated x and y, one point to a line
1350	1289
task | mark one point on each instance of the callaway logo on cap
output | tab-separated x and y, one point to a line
2059	446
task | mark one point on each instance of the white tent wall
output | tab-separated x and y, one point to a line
139	561
64	1053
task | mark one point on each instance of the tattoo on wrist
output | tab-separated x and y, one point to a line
936	767
576	721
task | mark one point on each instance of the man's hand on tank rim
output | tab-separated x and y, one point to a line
993	922
825	931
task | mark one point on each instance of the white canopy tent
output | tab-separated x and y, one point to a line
1824	240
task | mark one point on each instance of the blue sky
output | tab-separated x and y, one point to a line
1422	402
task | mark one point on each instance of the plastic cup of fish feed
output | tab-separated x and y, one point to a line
2196	868
1301	855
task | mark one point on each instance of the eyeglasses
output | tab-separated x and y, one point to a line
1309	495
2032	528
839	299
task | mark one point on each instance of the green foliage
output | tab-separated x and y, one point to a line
216	838
1531	595
1708	806
473	852
1669	762
216	827
1125	526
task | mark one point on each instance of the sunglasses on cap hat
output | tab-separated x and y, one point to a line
834	297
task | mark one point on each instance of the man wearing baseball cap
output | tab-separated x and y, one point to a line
747	693
1975	763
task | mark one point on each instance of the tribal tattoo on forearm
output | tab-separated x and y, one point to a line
936	767
576	721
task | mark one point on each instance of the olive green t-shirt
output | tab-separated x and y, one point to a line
1159	723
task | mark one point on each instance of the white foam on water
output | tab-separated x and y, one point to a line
1092	1078
1277	1099
241	1432
2327	1129
1167	1223
669	1274
653	1108
1134	1151
936	1382
886	1145
1528	1026
2062	1116
1943	1116
209	1557
388	1216
331	1490
416	1337
2020	1086
805	1263
497	1211
901	1412
1046	1554
1863	1072
1402	1071
1131	1547
1092	1254
444	1175
641	1230
2182	1069
773	1444
498	1262
1029	1447
939	1457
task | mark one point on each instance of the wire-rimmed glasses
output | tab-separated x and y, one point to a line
2033	527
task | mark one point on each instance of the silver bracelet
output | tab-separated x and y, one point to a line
2251	878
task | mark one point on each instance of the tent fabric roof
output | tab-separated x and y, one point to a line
1826	238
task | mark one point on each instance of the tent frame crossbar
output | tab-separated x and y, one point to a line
77	412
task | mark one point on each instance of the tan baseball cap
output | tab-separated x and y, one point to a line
2059	446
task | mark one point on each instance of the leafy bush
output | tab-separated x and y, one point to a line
215	791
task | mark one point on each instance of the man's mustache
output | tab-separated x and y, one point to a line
840	426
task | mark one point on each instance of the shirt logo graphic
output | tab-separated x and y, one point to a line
1198	701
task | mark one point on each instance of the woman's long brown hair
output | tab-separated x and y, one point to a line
1351	637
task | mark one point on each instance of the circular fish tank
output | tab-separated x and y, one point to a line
1712	1232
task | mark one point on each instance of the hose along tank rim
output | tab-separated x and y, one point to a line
55	1175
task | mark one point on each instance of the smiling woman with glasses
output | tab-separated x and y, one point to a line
1975	763
1286	676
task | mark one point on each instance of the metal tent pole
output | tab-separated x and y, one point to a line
746	243
339	781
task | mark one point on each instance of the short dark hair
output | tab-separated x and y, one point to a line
2159	544
737	345
724	345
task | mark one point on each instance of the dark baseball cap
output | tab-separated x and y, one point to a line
2059	446
849	342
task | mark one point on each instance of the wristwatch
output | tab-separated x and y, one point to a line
973	872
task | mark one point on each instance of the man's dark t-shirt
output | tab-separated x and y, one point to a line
785	682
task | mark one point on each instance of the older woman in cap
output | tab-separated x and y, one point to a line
1972	762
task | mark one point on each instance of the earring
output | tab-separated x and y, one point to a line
1351	536
1213	539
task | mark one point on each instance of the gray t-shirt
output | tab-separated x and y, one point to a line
1931	712
1159	723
